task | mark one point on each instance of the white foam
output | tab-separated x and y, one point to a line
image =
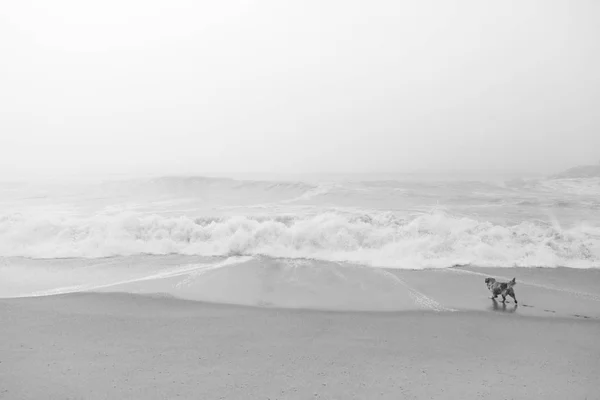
418	297
432	240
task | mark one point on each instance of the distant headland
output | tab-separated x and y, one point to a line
584	171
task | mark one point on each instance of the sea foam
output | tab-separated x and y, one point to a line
378	239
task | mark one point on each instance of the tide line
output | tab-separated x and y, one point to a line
186	269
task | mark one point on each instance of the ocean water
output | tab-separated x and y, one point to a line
63	237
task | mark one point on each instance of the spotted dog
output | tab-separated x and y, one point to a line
501	288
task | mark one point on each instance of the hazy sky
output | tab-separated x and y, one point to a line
298	86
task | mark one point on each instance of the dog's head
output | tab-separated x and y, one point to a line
489	281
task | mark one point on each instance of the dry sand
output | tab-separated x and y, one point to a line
132	346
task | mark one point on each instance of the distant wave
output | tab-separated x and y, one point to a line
581	204
195	184
432	240
579	187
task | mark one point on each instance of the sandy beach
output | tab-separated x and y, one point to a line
299	200
142	346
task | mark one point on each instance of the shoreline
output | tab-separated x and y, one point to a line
184	303
313	330
123	345
317	285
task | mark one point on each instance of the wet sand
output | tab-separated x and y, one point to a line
446	341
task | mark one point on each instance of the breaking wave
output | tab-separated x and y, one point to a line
432	240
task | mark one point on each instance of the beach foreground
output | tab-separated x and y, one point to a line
134	346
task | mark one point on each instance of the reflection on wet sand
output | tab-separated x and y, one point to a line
496	306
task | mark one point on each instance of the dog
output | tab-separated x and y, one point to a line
501	288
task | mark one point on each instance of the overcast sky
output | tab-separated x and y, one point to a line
298	86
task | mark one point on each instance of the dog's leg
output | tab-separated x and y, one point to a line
512	294
503	298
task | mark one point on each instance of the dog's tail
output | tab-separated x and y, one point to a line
512	283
